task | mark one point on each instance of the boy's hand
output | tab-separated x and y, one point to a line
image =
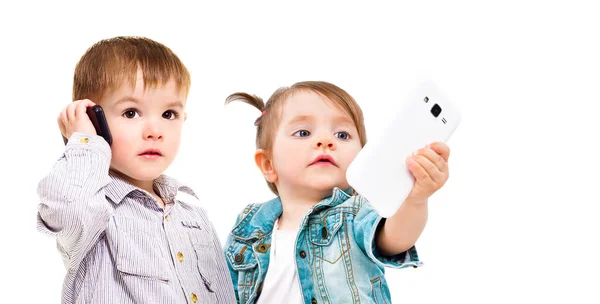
75	119
429	166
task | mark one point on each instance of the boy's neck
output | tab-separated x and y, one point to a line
144	185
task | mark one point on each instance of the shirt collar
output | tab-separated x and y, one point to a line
165	186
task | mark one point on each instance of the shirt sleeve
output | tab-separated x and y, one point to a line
366	226
73	207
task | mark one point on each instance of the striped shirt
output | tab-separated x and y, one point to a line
118	244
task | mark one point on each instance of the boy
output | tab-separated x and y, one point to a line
123	235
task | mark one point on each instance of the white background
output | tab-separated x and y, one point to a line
516	222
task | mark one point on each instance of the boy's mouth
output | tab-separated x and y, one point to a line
323	159
151	153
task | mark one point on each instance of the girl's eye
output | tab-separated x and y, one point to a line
170	114
302	133
342	135
130	113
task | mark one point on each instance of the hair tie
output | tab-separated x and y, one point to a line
263	112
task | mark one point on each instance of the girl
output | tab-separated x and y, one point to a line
317	241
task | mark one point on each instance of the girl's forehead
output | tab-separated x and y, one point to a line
308	103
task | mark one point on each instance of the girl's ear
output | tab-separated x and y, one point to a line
265	164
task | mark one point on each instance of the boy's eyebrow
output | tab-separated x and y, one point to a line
127	98
176	103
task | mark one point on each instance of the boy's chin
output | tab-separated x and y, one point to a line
140	175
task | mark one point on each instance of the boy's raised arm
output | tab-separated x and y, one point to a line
73	206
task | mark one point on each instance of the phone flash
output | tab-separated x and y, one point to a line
426	99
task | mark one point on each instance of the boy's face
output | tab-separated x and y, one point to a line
145	126
312	127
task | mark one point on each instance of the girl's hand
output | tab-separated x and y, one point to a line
429	166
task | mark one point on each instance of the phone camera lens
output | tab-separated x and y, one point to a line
436	110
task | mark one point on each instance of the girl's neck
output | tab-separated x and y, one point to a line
294	208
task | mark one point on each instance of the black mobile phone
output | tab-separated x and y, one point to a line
96	115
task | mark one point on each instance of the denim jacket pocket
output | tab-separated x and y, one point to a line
329	239
138	252
323	230
243	261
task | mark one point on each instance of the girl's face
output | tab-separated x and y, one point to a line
313	146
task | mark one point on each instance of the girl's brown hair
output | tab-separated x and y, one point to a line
268	122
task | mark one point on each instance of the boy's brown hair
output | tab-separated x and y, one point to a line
111	63
268	122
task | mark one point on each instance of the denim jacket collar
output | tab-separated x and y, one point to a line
259	222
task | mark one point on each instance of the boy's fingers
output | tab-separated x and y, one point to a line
80	112
61	122
71	113
65	124
87	103
441	148
63	117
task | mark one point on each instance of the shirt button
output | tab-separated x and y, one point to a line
313	301
180	256
302	254
194	298
324	233
167	218
84	140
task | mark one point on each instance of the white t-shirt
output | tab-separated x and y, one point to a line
281	284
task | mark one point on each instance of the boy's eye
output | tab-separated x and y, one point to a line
342	135
170	114
302	133
130	113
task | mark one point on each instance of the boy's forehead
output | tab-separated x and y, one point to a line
139	92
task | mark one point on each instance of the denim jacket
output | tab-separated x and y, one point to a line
336	255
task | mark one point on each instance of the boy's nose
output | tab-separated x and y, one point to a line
152	131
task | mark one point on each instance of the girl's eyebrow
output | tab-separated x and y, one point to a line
299	118
343	120
339	119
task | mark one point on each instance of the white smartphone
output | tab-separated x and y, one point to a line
379	172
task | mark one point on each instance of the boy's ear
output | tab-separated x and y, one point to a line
265	164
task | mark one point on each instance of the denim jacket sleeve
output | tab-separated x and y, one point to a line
366	225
